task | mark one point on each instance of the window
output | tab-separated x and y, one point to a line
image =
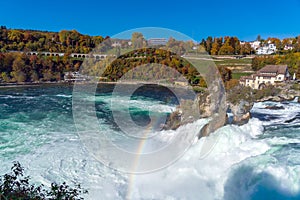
279	78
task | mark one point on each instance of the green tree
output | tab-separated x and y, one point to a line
5	77
15	36
258	38
63	35
209	42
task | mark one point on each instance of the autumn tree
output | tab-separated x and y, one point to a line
209	42
18	69
226	49
297	44
215	49
216	45
246	49
15	36
137	40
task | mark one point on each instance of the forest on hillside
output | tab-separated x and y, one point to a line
292	60
63	41
17	66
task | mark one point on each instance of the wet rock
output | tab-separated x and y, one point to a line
274	107
290	120
173	121
241	112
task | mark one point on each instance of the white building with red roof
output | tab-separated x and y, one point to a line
268	75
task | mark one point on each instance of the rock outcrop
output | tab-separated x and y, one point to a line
241	112
239	101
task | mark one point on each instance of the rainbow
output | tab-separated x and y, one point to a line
136	162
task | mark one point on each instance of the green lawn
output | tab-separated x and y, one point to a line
233	61
237	75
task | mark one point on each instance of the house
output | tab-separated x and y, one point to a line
288	47
116	44
267	49
255	44
157	41
75	76
242	42
268	75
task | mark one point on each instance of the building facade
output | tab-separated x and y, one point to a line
268	75
266	49
288	47
157	41
75	76
255	44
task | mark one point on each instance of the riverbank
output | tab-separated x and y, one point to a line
26	84
239	102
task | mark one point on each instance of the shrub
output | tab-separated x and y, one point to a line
238	93
231	83
16	186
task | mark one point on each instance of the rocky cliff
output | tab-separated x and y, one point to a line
239	101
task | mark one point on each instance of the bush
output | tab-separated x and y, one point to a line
295	86
16	186
238	93
231	83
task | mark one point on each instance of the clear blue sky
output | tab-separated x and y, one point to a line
198	19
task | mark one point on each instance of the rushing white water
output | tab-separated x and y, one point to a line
195	178
259	160
246	163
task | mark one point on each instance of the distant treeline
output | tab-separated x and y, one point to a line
74	42
64	41
144	56
232	45
18	67
291	59
226	46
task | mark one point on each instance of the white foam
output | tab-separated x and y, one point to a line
120	102
64	95
239	163
69	161
258	178
193	178
289	111
242	165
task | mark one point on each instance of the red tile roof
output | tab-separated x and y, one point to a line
267	71
276	69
